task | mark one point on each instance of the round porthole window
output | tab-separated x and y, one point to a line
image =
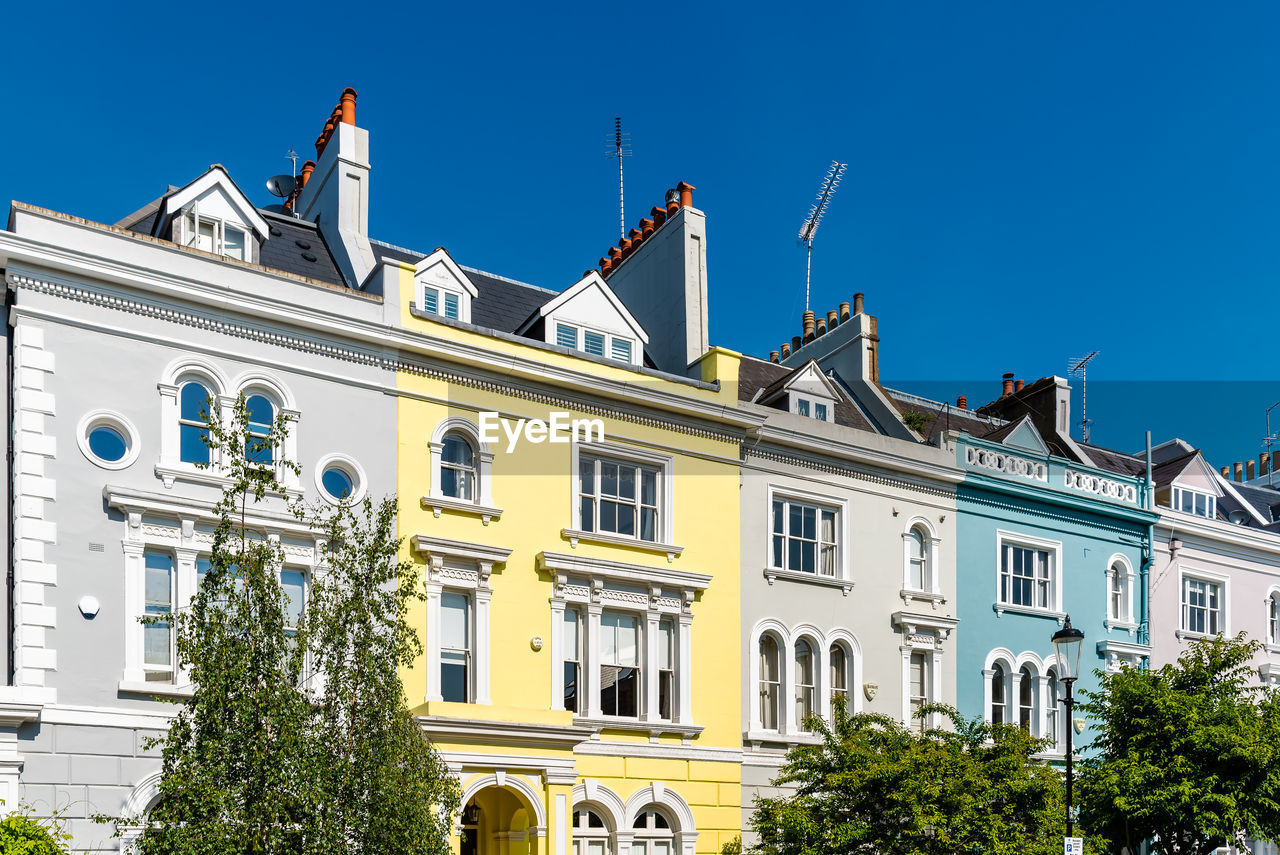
108	439
340	479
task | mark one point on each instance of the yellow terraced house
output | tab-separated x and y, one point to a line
568	471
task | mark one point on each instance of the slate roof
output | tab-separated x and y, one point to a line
941	416
1265	500
500	304
296	246
1170	469
1115	461
755	375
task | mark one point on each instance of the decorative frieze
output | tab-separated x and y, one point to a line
1006	464
1104	487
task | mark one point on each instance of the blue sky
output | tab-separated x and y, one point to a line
1027	182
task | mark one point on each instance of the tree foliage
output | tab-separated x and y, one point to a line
873	786
297	738
1188	755
21	833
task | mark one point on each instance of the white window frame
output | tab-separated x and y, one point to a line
1271	619
1120	569
95	419
581	328
789	725
930	673
436	500
664	531
932	590
593	586
1039	668
1055	570
459	567
799	400
842	578
441	297
1186	575
191	219
1175	501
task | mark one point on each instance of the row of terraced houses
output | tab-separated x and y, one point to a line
622	634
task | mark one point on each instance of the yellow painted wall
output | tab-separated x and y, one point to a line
534	487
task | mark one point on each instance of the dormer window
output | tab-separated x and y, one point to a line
213	235
810	407
439	302
594	342
1194	502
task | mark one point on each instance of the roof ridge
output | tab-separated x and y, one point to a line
469	269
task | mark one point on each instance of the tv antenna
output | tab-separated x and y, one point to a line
284	186
1268	441
619	143
826	190
1079	367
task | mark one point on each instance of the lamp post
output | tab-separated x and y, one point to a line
1067	643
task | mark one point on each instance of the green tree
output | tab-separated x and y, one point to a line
1187	756
386	791
22	833
875	787
237	770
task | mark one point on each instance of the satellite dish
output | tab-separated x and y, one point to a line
281	185
276	209
1238	516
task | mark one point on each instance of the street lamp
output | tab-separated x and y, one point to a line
1067	643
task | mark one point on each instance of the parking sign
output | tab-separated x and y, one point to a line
1073	846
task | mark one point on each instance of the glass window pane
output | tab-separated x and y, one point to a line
810	524
587	512
194	402
454	629
628	641
456	450
587	476
778	517
648	524
261	412
233	242
159	582
802	407
191	442
608	516
622	349
293	584
627	482
570	634
608	479
431	301
451	306
626	520
666	644
107	443
336	482
593	343
808	558
567	336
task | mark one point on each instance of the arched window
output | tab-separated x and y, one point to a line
1273	618
839	666
997	694
652	834
262	416
918	560
1119	592
1026	694
193	409
590	834
770	682
804	682
458	468
1051	709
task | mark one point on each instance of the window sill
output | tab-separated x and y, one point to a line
777	736
1128	626
167	690
686	732
1184	634
773	574
931	597
437	504
1001	608
574	535
170	472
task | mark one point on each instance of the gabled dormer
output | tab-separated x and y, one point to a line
1187	483
589	317
212	214
1020	433
441	288
805	392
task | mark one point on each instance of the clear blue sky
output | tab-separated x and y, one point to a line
1027	182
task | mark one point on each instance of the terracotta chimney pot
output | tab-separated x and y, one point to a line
1226	472
615	254
808	325
659	216
1007	386
857	303
822	327
796	343
646	226
673	202
773	356
1239	471
348	106
786	350
605	264
1018	384
1248	471
305	176
1264	463
962	403
686	194
844	312
636	236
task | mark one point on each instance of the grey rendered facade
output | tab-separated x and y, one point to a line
108	324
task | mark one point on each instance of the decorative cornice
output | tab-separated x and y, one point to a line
842	470
524	734
623	571
1032	509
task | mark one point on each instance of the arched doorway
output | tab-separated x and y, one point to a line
500	820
